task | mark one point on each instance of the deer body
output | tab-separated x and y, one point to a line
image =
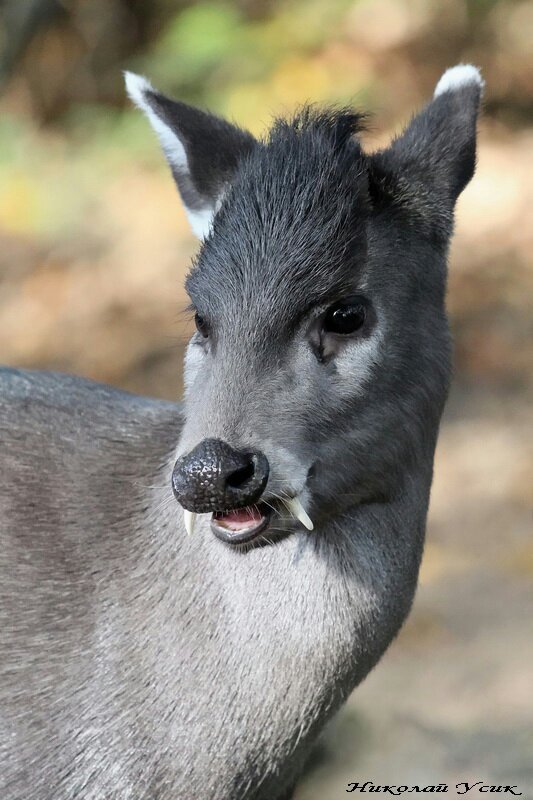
160	675
142	663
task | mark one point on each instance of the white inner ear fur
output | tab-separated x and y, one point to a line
457	77
200	220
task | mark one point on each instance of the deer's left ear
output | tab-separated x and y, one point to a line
202	150
429	164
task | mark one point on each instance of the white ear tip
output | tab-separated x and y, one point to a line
136	86
457	77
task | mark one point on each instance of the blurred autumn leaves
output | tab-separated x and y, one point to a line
93	243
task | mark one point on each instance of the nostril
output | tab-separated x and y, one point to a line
215	476
240	476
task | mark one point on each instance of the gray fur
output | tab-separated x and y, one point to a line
139	663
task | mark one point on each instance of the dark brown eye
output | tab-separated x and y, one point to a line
201	325
346	317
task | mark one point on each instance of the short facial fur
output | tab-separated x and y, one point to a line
293	224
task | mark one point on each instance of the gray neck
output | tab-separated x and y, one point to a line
157	648
295	625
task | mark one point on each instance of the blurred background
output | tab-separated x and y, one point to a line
94	247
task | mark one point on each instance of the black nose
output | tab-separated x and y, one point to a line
215	477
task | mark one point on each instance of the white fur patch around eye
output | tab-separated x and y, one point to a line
137	86
457	77
194	356
356	364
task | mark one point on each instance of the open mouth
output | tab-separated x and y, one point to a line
241	525
244	525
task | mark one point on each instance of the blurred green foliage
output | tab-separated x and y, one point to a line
93	241
247	60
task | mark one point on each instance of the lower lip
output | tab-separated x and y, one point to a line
243	536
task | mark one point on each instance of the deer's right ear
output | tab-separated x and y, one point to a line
202	150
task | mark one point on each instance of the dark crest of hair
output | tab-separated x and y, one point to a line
338	126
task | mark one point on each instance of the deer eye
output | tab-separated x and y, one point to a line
201	325
346	316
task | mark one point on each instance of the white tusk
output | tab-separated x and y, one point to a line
189	518
296	508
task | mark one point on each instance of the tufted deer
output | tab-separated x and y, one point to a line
143	663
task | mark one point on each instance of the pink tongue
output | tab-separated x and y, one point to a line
239	518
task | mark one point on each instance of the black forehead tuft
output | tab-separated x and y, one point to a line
334	125
294	217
